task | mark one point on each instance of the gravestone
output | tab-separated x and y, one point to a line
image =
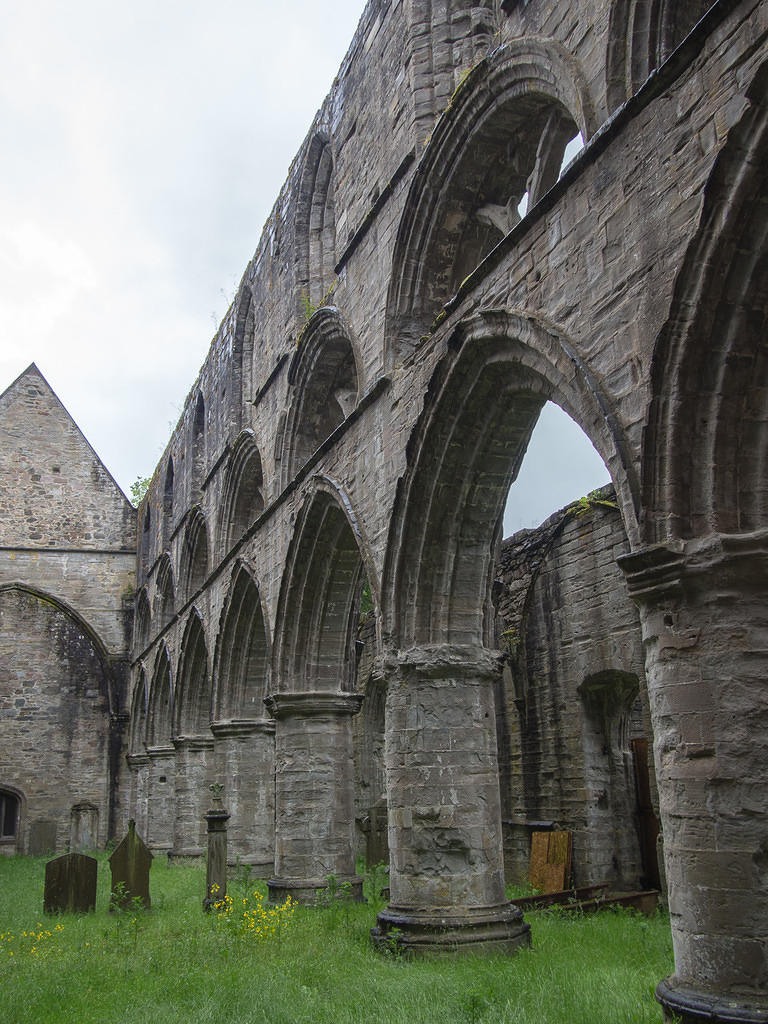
42	838
130	863
216	868
70	884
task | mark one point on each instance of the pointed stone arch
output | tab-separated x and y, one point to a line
139	714
243	498
241	382
313	700
198	446
142	623
165	592
706	445
322	585
469	444
465	451
244	734
168	501
504	133
242	653
194	559
326	383
138	759
193	740
192	703
160	701
315	225
641	35
161	770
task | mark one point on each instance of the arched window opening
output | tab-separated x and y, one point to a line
241	390
198	445
502	139
142	621
193	694
641	35
168	502
316	227
519	153
10	807
160	703
165	600
139	710
321	603
244	492
146	540
325	377
195	554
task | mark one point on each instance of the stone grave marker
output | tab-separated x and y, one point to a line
130	863
70	884
216	868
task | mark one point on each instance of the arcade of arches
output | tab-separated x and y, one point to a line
327	619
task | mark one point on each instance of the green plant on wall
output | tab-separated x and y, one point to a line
139	488
583	505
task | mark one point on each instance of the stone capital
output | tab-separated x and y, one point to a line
193	743
244	727
663	571
160	751
313	703
136	761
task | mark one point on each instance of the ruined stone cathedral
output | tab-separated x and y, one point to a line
314	604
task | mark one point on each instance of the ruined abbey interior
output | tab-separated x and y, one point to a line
314	604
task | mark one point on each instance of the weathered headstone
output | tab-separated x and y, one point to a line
70	884
216	870
130	863
42	838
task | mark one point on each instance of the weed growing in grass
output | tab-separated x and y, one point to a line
35	942
374	883
249	918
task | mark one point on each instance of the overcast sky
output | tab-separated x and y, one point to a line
144	145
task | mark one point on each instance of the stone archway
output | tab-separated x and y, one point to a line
313	697
700	586
444	803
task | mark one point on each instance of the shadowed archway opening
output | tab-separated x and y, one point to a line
314	699
243	499
192	705
523	104
325	388
243	653
194	567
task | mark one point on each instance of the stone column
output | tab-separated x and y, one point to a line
704	617
314	793
445	837
138	765
193	754
245	756
161	798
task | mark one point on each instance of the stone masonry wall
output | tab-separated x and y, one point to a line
574	695
67	582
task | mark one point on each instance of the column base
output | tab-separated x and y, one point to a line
256	868
685	1005
304	890
185	853
483	930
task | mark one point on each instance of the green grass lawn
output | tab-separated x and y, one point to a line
177	964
